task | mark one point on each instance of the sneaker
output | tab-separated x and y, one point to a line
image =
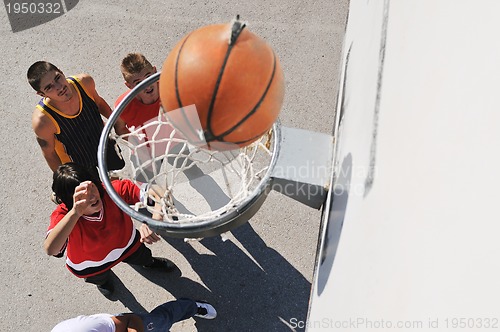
106	289
205	310
161	264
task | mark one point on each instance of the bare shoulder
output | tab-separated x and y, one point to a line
83	77
37	118
86	80
41	123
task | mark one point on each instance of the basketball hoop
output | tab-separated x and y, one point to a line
192	192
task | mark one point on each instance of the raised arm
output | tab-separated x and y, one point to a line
58	235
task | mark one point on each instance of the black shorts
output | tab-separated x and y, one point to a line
114	159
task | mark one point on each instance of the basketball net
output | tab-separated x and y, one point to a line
188	190
177	176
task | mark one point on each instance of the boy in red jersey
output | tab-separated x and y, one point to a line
136	68
95	233
141	111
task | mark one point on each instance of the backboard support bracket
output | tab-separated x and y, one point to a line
304	166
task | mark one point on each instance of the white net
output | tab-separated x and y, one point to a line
185	183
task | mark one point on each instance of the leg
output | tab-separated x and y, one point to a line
144	257
99	279
140	154
141	174
103	282
165	315
114	157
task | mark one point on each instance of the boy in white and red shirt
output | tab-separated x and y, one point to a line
95	233
160	319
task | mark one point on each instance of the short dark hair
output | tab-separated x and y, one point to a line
37	70
67	177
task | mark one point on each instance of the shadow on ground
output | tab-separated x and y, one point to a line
258	291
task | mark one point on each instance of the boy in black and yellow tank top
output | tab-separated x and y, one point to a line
67	121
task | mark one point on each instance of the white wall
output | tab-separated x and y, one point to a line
419	248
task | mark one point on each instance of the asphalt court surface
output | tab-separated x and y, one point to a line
259	279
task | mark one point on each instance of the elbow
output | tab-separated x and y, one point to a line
49	249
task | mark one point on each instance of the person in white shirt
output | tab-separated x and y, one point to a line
160	319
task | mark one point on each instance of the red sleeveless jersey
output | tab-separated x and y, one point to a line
136	113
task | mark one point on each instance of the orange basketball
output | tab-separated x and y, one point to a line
222	86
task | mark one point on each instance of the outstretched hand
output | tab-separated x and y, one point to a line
147	235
